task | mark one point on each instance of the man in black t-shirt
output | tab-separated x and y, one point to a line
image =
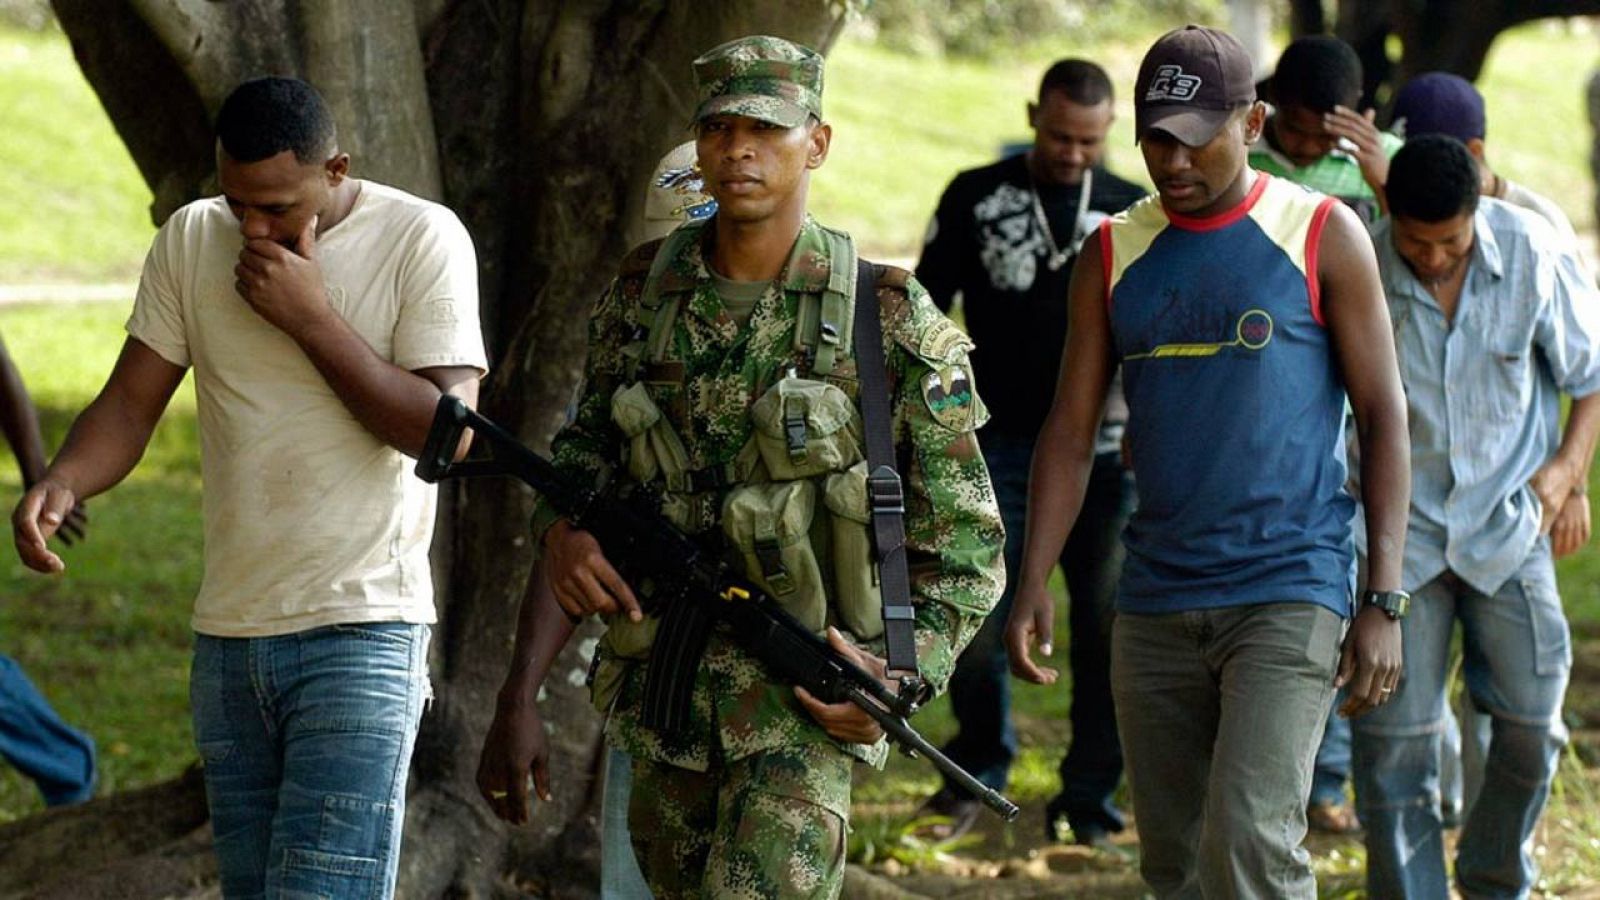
1004	240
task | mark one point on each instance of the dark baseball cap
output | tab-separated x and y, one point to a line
1439	103
1191	81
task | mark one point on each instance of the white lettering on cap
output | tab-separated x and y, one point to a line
1172	83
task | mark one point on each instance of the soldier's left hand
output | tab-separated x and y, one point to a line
283	285
515	747
845	720
1369	662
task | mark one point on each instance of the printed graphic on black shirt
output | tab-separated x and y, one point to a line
987	246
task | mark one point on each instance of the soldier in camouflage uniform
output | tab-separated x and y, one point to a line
698	339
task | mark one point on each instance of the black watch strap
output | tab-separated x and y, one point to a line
1393	603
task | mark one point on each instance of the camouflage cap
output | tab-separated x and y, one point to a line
763	77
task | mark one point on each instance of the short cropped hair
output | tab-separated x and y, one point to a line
1431	179
266	116
1317	72
1084	83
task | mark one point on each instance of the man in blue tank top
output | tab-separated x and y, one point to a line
1243	310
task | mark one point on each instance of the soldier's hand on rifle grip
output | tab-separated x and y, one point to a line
583	580
845	720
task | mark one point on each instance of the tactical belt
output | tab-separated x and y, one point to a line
884	488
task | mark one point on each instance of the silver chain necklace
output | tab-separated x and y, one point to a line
1057	255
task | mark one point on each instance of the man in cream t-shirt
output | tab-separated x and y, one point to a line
323	317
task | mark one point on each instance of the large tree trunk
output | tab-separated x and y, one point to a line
1438	35
1306	17
539	123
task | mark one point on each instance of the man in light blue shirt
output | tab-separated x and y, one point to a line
1492	325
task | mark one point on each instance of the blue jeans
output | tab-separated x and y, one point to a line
620	876
1517	654
980	689
307	740
56	757
1221	711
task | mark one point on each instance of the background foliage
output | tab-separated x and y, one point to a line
987	29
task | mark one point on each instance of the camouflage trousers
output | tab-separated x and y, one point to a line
769	825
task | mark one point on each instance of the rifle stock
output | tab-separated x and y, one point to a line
644	544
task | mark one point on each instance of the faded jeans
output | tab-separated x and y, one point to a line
1221	711
620	876
1517	655
57	757
307	740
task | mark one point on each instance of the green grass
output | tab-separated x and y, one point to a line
108	640
1538	130
902	126
76	207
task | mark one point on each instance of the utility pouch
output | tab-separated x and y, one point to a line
605	681
627	639
654	449
805	428
858	600
770	525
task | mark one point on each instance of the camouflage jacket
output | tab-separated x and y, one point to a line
953	531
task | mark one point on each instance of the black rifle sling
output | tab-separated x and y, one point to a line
884	488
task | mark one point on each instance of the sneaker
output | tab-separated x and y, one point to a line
947	815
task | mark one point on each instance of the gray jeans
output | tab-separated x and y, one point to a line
1220	713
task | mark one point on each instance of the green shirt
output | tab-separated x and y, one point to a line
739	297
1336	174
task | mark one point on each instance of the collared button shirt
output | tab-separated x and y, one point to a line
1483	392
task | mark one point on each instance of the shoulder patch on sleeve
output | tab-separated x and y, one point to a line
917	325
942	340
947	390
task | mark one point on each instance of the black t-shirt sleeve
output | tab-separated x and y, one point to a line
949	242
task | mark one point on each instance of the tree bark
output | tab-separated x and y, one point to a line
1438	35
539	124
1306	17
150	842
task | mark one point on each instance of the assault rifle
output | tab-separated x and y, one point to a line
690	588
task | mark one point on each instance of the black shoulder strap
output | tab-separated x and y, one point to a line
884	487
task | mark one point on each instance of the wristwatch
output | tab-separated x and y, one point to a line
1393	603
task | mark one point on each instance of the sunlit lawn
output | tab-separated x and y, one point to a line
108	640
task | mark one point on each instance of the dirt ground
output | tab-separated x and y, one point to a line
1015	862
